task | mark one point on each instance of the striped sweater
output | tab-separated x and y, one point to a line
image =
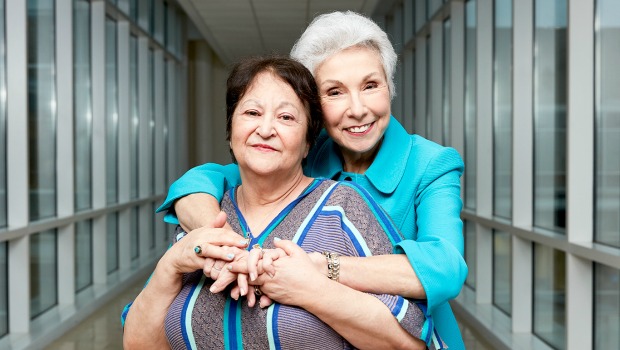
328	216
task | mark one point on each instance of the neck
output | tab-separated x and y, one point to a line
261	200
265	191
359	162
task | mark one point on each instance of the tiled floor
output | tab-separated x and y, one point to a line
102	330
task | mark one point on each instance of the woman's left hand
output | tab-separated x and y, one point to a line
295	278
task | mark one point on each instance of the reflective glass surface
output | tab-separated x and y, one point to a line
41	109
135	233
43	275
606	307
3	194
550	295
607	132
550	82
4	289
470	104
112	242
502	110
83	254
152	99
135	117
502	271
469	232
428	90
82	105
111	95
447	80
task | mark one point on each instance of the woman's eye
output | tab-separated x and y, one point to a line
287	117
333	92
371	85
252	113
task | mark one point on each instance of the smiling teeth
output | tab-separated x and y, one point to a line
358	129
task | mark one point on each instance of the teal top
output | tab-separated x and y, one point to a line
415	180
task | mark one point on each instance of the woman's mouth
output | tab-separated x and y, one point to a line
360	130
263	147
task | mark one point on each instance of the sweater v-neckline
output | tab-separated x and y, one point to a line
260	238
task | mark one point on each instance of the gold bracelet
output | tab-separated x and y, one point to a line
333	265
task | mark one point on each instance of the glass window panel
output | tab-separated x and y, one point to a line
550	295
144	14
154	222
469	231
152	99
166	118
428	90
133	10
502	110
502	271
420	13
82	105
111	72
4	289
135	234
447	80
165	25
433	6
607	85
123	5
83	254
135	117
41	109
43	276
470	104
606	307
112	242
159	20
550	81
3	194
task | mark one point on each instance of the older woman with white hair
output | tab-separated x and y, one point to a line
416	181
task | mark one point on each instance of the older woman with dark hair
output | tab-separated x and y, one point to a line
289	221
416	181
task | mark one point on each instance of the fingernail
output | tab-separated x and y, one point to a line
252	276
270	274
243	242
212	289
230	256
229	267
259	305
242	291
276	239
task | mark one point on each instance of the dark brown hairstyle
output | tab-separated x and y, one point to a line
290	71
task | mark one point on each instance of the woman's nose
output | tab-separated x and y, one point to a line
357	108
265	127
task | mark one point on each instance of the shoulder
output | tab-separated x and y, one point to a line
430	155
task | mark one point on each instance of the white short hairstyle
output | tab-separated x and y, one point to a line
330	33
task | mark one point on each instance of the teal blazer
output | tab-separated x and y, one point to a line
416	181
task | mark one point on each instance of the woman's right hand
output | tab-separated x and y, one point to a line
191	252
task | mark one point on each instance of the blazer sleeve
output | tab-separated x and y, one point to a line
211	178
436	254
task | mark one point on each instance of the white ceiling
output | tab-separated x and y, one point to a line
239	28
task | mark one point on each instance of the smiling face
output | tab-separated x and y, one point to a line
356	103
269	125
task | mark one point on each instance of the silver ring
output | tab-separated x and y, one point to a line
257	291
